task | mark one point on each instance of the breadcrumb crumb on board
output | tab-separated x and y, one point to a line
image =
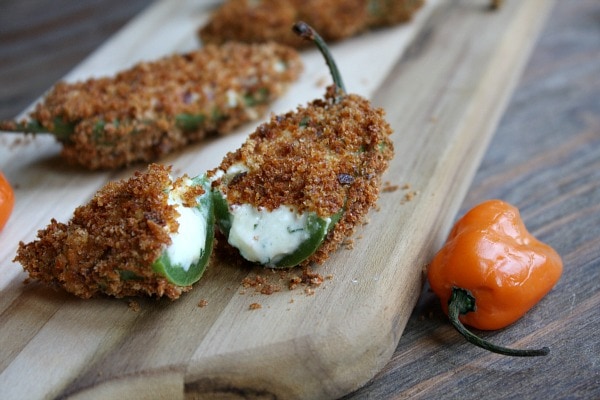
268	282
408	193
134	306
202	303
388	187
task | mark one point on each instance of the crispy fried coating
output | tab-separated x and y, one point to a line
496	4
110	243
320	158
157	107
270	20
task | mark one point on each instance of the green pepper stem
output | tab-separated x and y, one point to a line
305	31
462	302
31	127
62	131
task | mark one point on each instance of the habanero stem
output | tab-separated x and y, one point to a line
462	302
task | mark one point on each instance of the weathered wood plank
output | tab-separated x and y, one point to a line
545	159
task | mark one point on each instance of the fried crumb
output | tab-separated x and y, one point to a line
309	291
496	4
322	81
254	306
270	289
316	281
202	303
270	283
248	282
388	187
348	244
134	306
310	277
261	285
409	196
294	282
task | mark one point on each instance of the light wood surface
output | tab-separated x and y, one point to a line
337	338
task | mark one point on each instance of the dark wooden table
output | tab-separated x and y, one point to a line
544	158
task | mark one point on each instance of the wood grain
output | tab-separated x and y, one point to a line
427	362
545	159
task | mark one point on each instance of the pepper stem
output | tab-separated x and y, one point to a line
305	31
462	302
62	130
31	127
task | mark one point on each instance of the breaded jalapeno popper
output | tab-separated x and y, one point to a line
296	188
269	20
157	107
303	181
147	235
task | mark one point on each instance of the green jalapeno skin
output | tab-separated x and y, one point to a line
315	228
62	128
182	275
318	229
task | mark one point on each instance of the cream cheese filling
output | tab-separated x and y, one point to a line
265	236
187	244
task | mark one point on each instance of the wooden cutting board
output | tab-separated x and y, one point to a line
443	97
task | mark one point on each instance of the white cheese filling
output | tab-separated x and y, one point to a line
267	236
187	244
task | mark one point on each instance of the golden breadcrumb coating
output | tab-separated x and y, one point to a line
271	20
110	244
157	107
320	158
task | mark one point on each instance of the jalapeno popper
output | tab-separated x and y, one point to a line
269	20
303	181
297	187
157	107
147	235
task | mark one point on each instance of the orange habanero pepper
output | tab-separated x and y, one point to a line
7	200
491	271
